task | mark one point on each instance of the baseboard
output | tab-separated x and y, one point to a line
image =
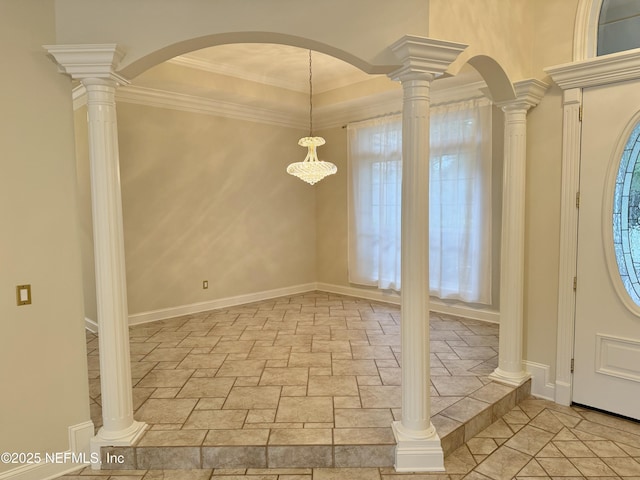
91	325
436	305
365	293
563	393
541	386
171	312
79	436
464	311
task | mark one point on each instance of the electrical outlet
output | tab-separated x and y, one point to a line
205	284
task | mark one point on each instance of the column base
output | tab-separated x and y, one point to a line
417	451
120	438
510	378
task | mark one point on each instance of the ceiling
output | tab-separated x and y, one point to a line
276	65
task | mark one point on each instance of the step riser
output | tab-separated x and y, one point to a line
298	456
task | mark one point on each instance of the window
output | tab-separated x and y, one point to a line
459	210
626	216
618	26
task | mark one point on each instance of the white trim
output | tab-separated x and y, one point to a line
330	116
339	114
571	141
417	453
91	325
79	437
541	385
603	70
436	305
209	106
385	296
152	316
585	33
40	471
465	311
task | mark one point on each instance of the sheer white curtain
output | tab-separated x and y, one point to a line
375	164
460	202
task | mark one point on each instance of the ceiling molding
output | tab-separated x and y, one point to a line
194	104
340	114
331	116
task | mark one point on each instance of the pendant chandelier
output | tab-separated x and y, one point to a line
311	170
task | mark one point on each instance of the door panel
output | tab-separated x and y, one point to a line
607	326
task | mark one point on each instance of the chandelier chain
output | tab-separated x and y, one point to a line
310	98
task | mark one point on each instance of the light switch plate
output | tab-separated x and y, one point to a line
23	295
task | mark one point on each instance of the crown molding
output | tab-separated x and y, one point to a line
337	115
194	104
615	67
391	102
330	116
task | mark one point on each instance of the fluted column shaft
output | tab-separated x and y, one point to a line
512	265
108	241
416	408
510	362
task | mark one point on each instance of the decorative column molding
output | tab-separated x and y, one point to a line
510	367
418	445
94	66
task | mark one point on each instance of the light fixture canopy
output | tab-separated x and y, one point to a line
311	170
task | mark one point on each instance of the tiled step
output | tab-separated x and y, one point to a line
310	447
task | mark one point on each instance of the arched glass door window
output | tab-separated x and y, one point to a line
618	26
626	216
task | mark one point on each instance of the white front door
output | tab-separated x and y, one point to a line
607	325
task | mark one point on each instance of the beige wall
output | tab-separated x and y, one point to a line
542	228
208	198
42	346
501	29
331	212
360	34
553	44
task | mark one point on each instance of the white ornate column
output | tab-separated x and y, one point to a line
510	367
418	445
94	66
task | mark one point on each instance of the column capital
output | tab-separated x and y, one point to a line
424	57
528	94
86	61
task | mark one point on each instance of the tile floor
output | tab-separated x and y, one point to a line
310	380
535	440
319	369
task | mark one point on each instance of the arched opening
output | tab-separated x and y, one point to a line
165	175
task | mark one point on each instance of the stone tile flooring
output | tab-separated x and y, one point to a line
537	440
297	381
322	370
